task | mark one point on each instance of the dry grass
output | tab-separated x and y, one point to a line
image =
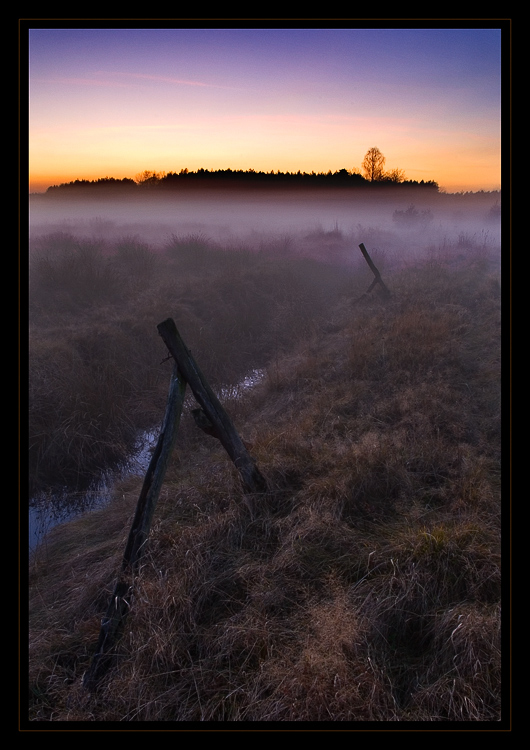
97	374
365	587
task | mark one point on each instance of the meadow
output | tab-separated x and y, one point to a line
365	585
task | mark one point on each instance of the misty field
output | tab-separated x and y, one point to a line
365	584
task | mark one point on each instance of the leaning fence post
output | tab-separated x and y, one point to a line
378	279
221	423
112	623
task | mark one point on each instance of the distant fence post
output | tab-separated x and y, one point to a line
112	623
378	279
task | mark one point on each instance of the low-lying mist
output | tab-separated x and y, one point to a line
364	584
324	224
247	276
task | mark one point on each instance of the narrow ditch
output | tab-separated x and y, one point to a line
49	509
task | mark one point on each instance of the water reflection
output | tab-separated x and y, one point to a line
51	508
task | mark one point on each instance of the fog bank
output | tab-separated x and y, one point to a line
313	222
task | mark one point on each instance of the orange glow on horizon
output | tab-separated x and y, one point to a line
450	181
117	102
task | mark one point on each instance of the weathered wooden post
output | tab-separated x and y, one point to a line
221	424
216	422
378	279
112	623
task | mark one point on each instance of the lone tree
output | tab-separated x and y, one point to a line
373	164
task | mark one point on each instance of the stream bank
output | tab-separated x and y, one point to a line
51	508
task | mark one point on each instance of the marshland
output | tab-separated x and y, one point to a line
365	584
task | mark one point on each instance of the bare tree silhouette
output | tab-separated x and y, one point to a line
373	164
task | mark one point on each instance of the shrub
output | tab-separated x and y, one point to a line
68	275
412	217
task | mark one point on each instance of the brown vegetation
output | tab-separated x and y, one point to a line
97	375
366	584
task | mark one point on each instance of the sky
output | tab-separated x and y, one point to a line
113	102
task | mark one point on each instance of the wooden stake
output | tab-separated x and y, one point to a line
378	279
112	623
221	423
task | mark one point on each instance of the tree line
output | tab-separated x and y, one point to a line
373	173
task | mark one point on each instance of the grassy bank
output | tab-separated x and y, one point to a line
96	366
366	585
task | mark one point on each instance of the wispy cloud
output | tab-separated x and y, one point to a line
160	79
123	80
128	129
76	81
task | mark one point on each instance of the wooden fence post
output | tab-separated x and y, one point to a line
112	623
378	279
222	426
219	424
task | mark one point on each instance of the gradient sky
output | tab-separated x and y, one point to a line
115	102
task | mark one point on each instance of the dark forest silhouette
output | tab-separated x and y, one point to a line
150	180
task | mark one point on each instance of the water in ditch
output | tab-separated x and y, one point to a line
49	509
